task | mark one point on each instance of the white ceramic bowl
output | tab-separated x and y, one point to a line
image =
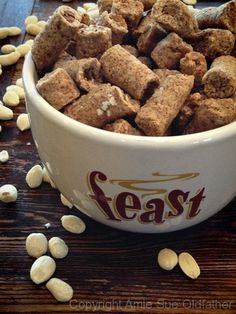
135	183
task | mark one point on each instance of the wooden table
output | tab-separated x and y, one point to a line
110	270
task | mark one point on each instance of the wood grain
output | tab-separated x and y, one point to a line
110	270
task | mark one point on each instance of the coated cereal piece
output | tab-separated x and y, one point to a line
124	70
148	40
131	10
146	22
92	41
175	16
58	88
186	113
213	42
102	105
223	16
156	116
117	25
85	72
60	29
220	80
104	5
194	63
169	51
121	126
212	113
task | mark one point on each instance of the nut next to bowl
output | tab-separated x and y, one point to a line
135	183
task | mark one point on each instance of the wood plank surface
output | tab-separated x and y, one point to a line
110	270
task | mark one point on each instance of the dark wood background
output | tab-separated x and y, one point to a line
110	270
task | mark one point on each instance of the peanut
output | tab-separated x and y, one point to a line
34	176
33	29
31	19
188	265
10	58
23	122
167	259
5	113
65	201
61	291
58	247
36	244
11	99
18	90
4	156
42	269
8	193
8	49
73	224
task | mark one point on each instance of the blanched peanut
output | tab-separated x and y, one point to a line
61	291
65	201
31	19
46	178
167	259
8	48
33	29
23	122
5	113
34	176
3	32
42	24
14	31
73	224
188	265
42	269
23	49
81	10
4	156
17	89
29	42
58	247
93	14
8	193
19	82
11	99
10	58
190	2
89	6
36	244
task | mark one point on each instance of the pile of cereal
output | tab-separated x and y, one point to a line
154	68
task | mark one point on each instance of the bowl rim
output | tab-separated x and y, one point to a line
98	135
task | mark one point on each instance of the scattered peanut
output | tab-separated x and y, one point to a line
42	269
61	290
18	90
65	201
73	223
46	178
93	14
3	32
19	82
10	58
11	99
8	193
58	247
33	29
4	156
36	244
188	265
42	24
167	259
81	10
23	122
34	176
14	31
5	113
31	19
23	49
29	42
190	2
89	6
8	48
